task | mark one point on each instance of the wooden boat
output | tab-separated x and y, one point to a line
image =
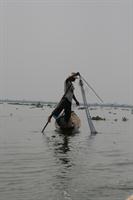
73	124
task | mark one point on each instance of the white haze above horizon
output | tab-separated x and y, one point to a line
43	41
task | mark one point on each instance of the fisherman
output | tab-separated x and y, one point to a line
66	101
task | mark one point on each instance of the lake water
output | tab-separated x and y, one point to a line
57	167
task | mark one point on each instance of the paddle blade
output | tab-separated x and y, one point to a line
45	126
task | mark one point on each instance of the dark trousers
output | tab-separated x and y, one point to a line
63	105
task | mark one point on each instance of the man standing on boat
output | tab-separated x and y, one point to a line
66	102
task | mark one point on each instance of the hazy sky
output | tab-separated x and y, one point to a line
43	41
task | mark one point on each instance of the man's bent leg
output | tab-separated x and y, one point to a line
59	109
67	110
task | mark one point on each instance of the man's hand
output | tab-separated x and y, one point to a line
77	103
77	74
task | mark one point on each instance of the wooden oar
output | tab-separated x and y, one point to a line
45	126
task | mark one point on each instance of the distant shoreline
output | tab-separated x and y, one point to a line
46	103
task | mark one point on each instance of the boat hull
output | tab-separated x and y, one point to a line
73	124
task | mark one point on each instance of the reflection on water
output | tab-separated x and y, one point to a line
57	166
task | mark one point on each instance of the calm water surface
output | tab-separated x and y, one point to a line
57	167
